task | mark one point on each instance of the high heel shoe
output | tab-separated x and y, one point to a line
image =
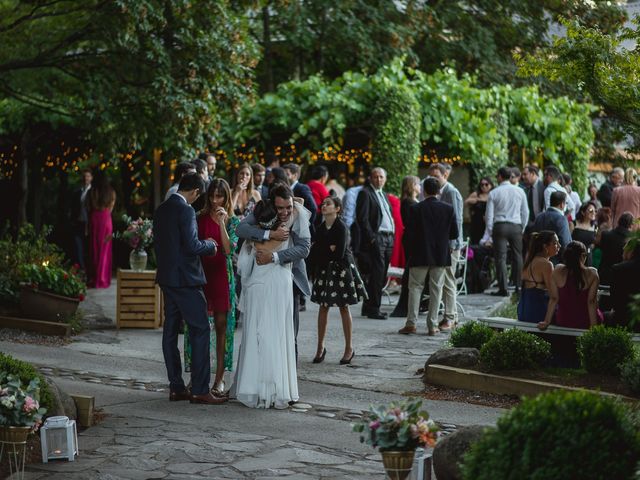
347	361
320	359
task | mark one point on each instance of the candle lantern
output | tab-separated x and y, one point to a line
59	439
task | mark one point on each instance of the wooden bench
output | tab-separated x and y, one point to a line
562	339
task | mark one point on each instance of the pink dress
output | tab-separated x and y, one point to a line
101	253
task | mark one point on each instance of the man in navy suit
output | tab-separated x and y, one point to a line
301	190
553	219
181	278
427	240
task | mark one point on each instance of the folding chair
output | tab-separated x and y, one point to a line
392	273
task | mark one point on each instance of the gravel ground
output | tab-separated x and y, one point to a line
18	336
433	392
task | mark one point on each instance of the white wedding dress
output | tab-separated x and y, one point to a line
266	375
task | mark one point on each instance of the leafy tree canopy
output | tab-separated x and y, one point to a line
159	73
602	65
301	38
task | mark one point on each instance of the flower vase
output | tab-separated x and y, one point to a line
138	260
398	464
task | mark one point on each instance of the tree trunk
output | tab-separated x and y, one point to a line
23	178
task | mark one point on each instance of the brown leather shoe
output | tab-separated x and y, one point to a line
178	396
208	399
406	330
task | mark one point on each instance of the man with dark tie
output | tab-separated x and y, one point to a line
375	224
534	188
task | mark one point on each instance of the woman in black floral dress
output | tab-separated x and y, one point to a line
336	278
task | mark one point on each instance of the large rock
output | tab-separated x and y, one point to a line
448	452
62	403
455	357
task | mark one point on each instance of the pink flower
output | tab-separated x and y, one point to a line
134	241
30	404
374	425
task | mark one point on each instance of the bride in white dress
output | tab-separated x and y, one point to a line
266	375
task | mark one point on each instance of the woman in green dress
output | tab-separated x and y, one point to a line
218	221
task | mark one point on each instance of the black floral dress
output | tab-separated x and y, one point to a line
336	280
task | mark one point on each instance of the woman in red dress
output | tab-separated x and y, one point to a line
213	222
102	198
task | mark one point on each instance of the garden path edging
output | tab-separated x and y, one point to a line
453	377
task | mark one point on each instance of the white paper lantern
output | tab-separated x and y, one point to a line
59	439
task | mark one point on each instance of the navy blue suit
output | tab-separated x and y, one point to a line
181	278
303	191
554	220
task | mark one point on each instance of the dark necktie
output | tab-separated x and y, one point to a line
532	215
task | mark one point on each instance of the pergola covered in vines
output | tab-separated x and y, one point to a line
407	117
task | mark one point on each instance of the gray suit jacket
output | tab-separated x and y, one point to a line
451	195
296	253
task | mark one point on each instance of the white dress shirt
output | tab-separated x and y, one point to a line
387	220
507	203
556	187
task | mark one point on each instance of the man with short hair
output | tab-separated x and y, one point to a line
606	190
181	277
319	177
301	190
534	188
180	171
210	160
552	176
449	194
553	219
259	174
80	218
430	229
376	232
507	216
299	244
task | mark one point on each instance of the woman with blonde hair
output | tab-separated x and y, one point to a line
626	198
244	197
217	221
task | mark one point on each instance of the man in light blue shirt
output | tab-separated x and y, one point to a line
349	204
507	216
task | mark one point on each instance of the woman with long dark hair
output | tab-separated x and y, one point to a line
573	291
536	276
102	198
477	203
336	279
585	229
218	221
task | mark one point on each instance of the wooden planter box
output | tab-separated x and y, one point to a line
139	300
46	306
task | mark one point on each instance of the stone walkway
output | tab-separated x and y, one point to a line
145	436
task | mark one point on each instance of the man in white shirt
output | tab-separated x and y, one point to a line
507	216
552	181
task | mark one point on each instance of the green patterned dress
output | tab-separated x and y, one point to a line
232	224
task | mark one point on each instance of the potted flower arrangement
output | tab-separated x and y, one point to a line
397	430
20	411
50	292
139	235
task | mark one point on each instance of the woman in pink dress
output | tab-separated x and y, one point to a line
102	198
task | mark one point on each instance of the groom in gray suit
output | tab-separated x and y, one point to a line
299	238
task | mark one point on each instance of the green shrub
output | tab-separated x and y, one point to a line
58	280
471	335
602	349
630	374
29	247
558	435
26	372
513	350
